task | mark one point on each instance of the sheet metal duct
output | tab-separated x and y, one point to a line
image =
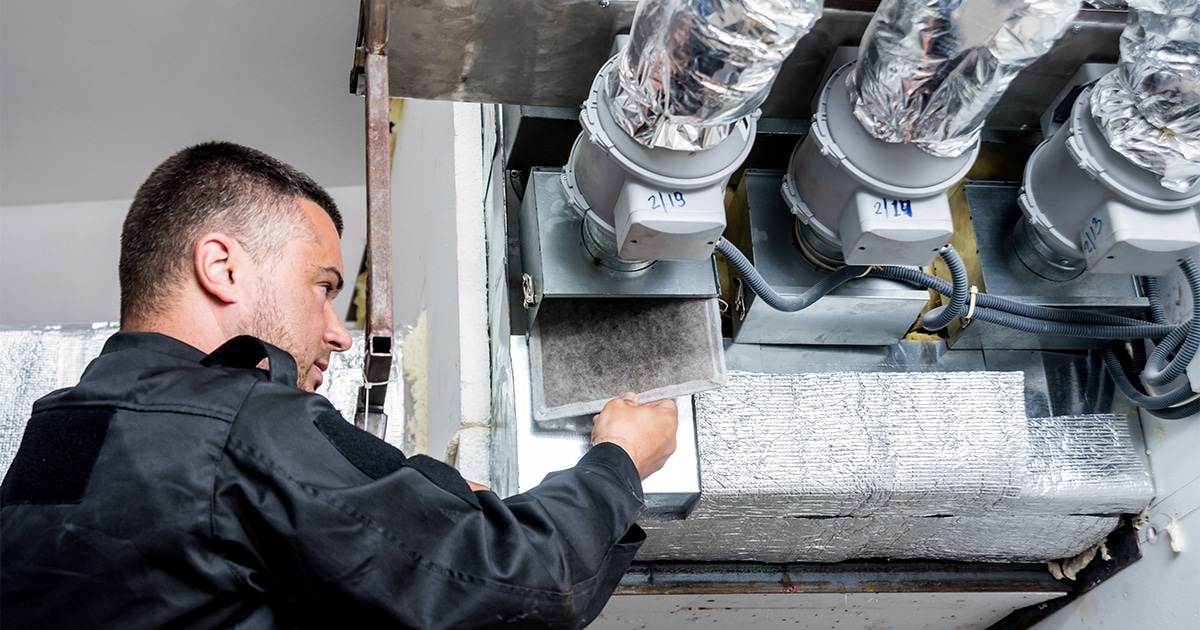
930	71
1149	107
694	67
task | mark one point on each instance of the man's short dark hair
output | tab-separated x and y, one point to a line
210	187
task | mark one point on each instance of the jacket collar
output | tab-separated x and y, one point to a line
154	342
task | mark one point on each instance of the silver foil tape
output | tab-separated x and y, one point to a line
930	71
37	361
860	443
828	467
1149	107
694	67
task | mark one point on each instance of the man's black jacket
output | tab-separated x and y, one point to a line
170	489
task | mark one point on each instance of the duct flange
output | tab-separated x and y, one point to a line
1086	202
649	203
876	202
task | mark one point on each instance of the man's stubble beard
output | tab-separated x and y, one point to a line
268	323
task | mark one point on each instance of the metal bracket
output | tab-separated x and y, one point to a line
377	364
529	299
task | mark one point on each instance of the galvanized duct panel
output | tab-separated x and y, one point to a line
1149	107
929	71
37	361
828	467
694	67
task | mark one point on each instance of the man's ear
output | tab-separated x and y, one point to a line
220	267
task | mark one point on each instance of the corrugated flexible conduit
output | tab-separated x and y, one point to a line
1026	318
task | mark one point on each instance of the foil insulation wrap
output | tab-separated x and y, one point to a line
930	71
692	68
1149	107
37	361
834	466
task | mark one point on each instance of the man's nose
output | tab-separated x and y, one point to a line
336	334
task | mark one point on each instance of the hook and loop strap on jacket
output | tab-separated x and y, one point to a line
247	352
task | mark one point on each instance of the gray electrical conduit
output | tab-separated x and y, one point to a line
1161	404
995	310
1155	403
1001	311
1160	371
1153	373
789	303
986	300
1134	329
1150	286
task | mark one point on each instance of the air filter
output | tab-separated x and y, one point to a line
585	351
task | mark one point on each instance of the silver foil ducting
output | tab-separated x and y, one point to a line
832	466
1149	107
692	68
39	360
930	71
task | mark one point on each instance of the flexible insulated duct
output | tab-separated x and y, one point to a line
694	67
1149	107
929	71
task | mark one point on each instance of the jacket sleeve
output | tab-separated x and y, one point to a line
327	526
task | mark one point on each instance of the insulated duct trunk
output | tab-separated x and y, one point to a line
827	467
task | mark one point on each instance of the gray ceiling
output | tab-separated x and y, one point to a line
94	94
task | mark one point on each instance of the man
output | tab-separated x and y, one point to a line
189	480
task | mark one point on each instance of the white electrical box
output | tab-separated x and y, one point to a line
1123	240
666	224
879	230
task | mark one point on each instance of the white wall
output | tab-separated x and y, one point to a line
58	262
94	94
1162	590
439	256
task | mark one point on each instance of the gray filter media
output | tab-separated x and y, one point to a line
834	466
583	352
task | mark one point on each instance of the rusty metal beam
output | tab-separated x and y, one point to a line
1123	550
377	363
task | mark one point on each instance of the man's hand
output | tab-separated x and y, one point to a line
646	432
